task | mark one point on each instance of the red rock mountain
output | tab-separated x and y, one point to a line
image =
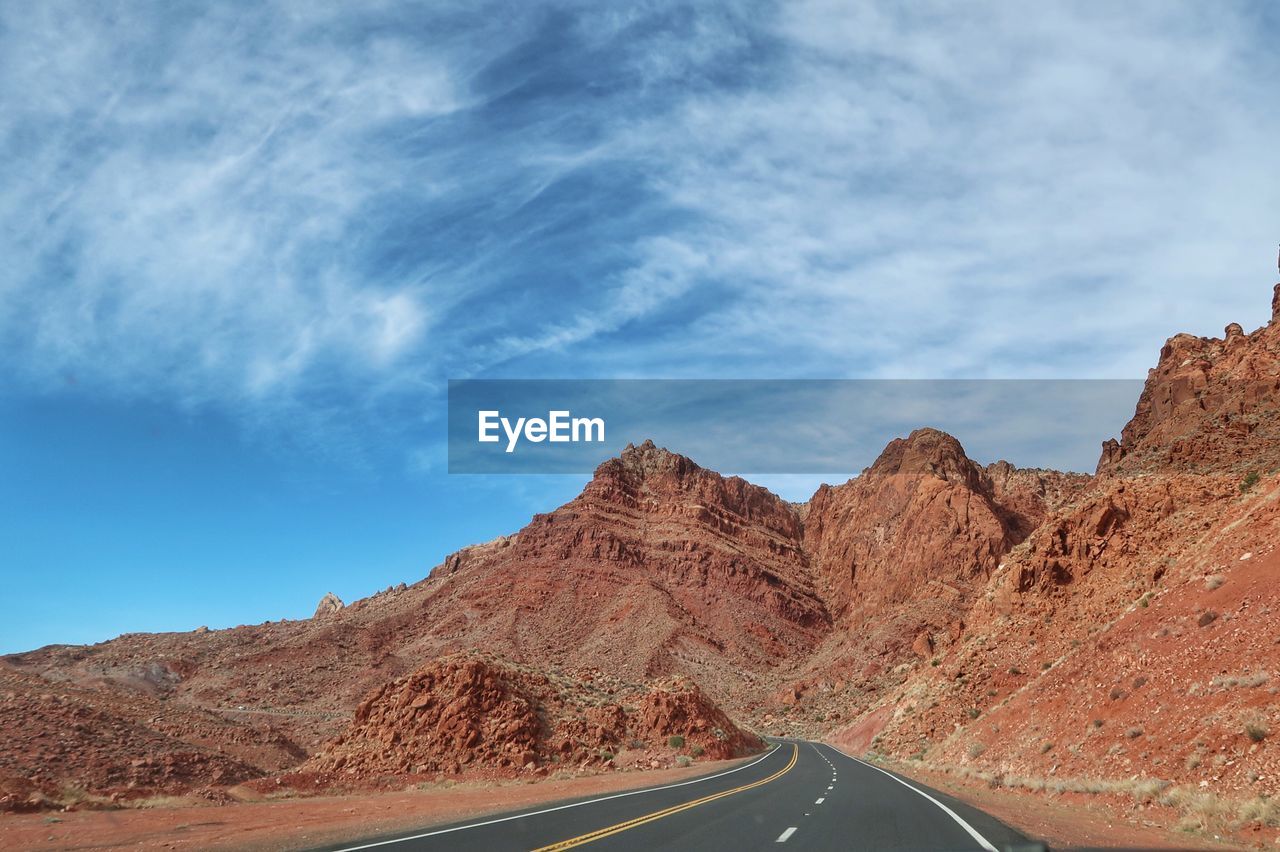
1208	405
929	607
1132	635
922	524
658	567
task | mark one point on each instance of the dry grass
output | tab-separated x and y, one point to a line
1198	810
1247	680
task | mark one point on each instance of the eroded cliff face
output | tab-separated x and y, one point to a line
1129	635
658	567
1208	406
923	522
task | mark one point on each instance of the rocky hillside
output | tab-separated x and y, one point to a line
983	617
658	569
1130	642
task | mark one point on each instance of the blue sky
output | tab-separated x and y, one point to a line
245	245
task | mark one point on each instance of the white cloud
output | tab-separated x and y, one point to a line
940	190
292	203
206	179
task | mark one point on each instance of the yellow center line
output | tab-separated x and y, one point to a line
641	820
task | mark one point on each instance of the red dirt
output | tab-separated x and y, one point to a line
284	824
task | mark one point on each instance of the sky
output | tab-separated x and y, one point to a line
245	246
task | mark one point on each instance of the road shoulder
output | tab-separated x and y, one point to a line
304	823
1060	822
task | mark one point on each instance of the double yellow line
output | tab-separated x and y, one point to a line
656	815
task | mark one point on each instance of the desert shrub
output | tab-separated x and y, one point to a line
1097	723
1250	480
1245	680
1255	732
1263	810
697	751
683	760
676	741
1133	733
1045	747
1148	790
1046	665
935	662
1214	581
976	749
974	712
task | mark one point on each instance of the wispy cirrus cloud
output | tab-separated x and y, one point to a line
326	209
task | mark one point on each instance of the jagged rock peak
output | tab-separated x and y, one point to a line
1209	405
328	604
647	459
926	450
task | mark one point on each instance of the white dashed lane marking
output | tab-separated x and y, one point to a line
821	800
782	838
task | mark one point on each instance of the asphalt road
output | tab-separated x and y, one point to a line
800	795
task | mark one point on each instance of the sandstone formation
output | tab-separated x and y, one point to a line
922	517
468	714
1097	648
1209	405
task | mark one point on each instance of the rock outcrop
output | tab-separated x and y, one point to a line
328	605
1096	648
923	523
473	715
1208	406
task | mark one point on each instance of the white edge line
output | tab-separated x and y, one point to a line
973	832
782	838
378	843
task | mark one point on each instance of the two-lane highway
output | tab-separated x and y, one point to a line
800	795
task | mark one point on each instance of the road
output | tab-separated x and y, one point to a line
800	795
